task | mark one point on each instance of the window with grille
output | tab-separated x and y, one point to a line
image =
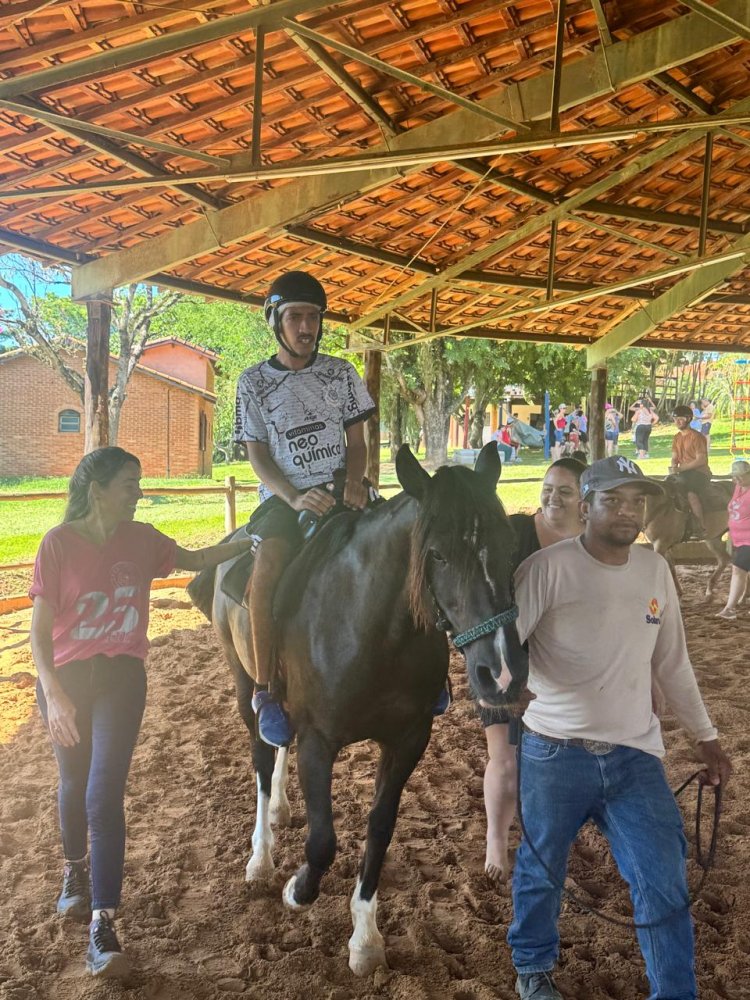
69	422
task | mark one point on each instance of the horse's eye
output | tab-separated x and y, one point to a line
437	558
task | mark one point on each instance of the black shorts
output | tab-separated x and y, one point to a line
276	519
642	434
694	481
741	557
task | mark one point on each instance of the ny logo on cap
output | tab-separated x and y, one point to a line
625	465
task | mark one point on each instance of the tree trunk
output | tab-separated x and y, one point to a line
476	427
96	384
396	425
438	402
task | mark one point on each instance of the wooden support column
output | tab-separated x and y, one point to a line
597	400
96	381
373	365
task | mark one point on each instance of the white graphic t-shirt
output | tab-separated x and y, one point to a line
301	416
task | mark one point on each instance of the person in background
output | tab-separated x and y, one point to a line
697	422
645	418
583	426
690	465
612	418
739	534
558	517
707	419
89	625
592	745
561	425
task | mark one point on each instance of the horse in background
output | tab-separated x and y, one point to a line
666	522
362	615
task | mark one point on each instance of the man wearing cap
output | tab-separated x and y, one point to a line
301	415
690	464
602	620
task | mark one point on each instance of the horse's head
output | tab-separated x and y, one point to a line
461	567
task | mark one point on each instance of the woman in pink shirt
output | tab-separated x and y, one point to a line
91	586
739	533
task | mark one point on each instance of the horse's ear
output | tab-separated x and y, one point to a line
410	473
488	466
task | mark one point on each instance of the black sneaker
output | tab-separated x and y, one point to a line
105	957
75	898
537	986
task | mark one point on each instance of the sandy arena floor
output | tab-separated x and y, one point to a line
195	930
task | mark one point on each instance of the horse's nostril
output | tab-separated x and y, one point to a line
485	679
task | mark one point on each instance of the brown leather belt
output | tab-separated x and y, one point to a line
597	747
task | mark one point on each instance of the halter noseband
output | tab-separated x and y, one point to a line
462	639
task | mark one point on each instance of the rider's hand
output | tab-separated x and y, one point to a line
61	715
355	494
718	765
317	500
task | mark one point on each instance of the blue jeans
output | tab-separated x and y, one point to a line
109	695
626	795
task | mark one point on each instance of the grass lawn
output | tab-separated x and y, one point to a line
199	520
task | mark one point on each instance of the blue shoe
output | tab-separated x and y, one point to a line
274	726
443	703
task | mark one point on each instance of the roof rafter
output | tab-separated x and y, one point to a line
689	291
626	62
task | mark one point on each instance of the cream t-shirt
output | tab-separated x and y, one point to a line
597	635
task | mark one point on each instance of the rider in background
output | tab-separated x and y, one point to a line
91	585
690	464
302	417
739	533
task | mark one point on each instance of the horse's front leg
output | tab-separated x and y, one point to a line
719	552
397	761
315	759
281	813
260	864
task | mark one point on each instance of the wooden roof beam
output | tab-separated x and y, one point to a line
735	25
315	52
475	107
125	56
687	292
671	44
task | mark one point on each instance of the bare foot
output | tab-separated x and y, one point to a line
496	866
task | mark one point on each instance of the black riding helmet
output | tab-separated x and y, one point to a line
682	411
294	288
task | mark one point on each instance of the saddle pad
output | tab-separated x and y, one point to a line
234	581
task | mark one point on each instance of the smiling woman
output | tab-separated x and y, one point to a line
89	639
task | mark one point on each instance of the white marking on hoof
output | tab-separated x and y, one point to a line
366	945
288	896
261	864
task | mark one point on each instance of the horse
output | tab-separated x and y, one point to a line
666	521
363	615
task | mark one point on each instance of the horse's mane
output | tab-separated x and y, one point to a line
459	509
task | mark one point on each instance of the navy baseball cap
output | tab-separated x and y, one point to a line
609	473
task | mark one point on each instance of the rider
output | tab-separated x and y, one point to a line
301	416
690	463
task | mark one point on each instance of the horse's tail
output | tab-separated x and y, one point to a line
201	591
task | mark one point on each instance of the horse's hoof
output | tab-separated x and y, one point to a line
280	814
259	867
288	896
364	961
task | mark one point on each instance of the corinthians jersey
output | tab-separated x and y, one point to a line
301	416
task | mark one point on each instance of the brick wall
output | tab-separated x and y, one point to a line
180	362
160	423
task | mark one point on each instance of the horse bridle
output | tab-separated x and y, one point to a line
461	639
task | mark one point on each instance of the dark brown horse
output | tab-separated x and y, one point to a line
362	618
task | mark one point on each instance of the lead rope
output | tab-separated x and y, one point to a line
705	862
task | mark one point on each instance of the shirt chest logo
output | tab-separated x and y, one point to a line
654	612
